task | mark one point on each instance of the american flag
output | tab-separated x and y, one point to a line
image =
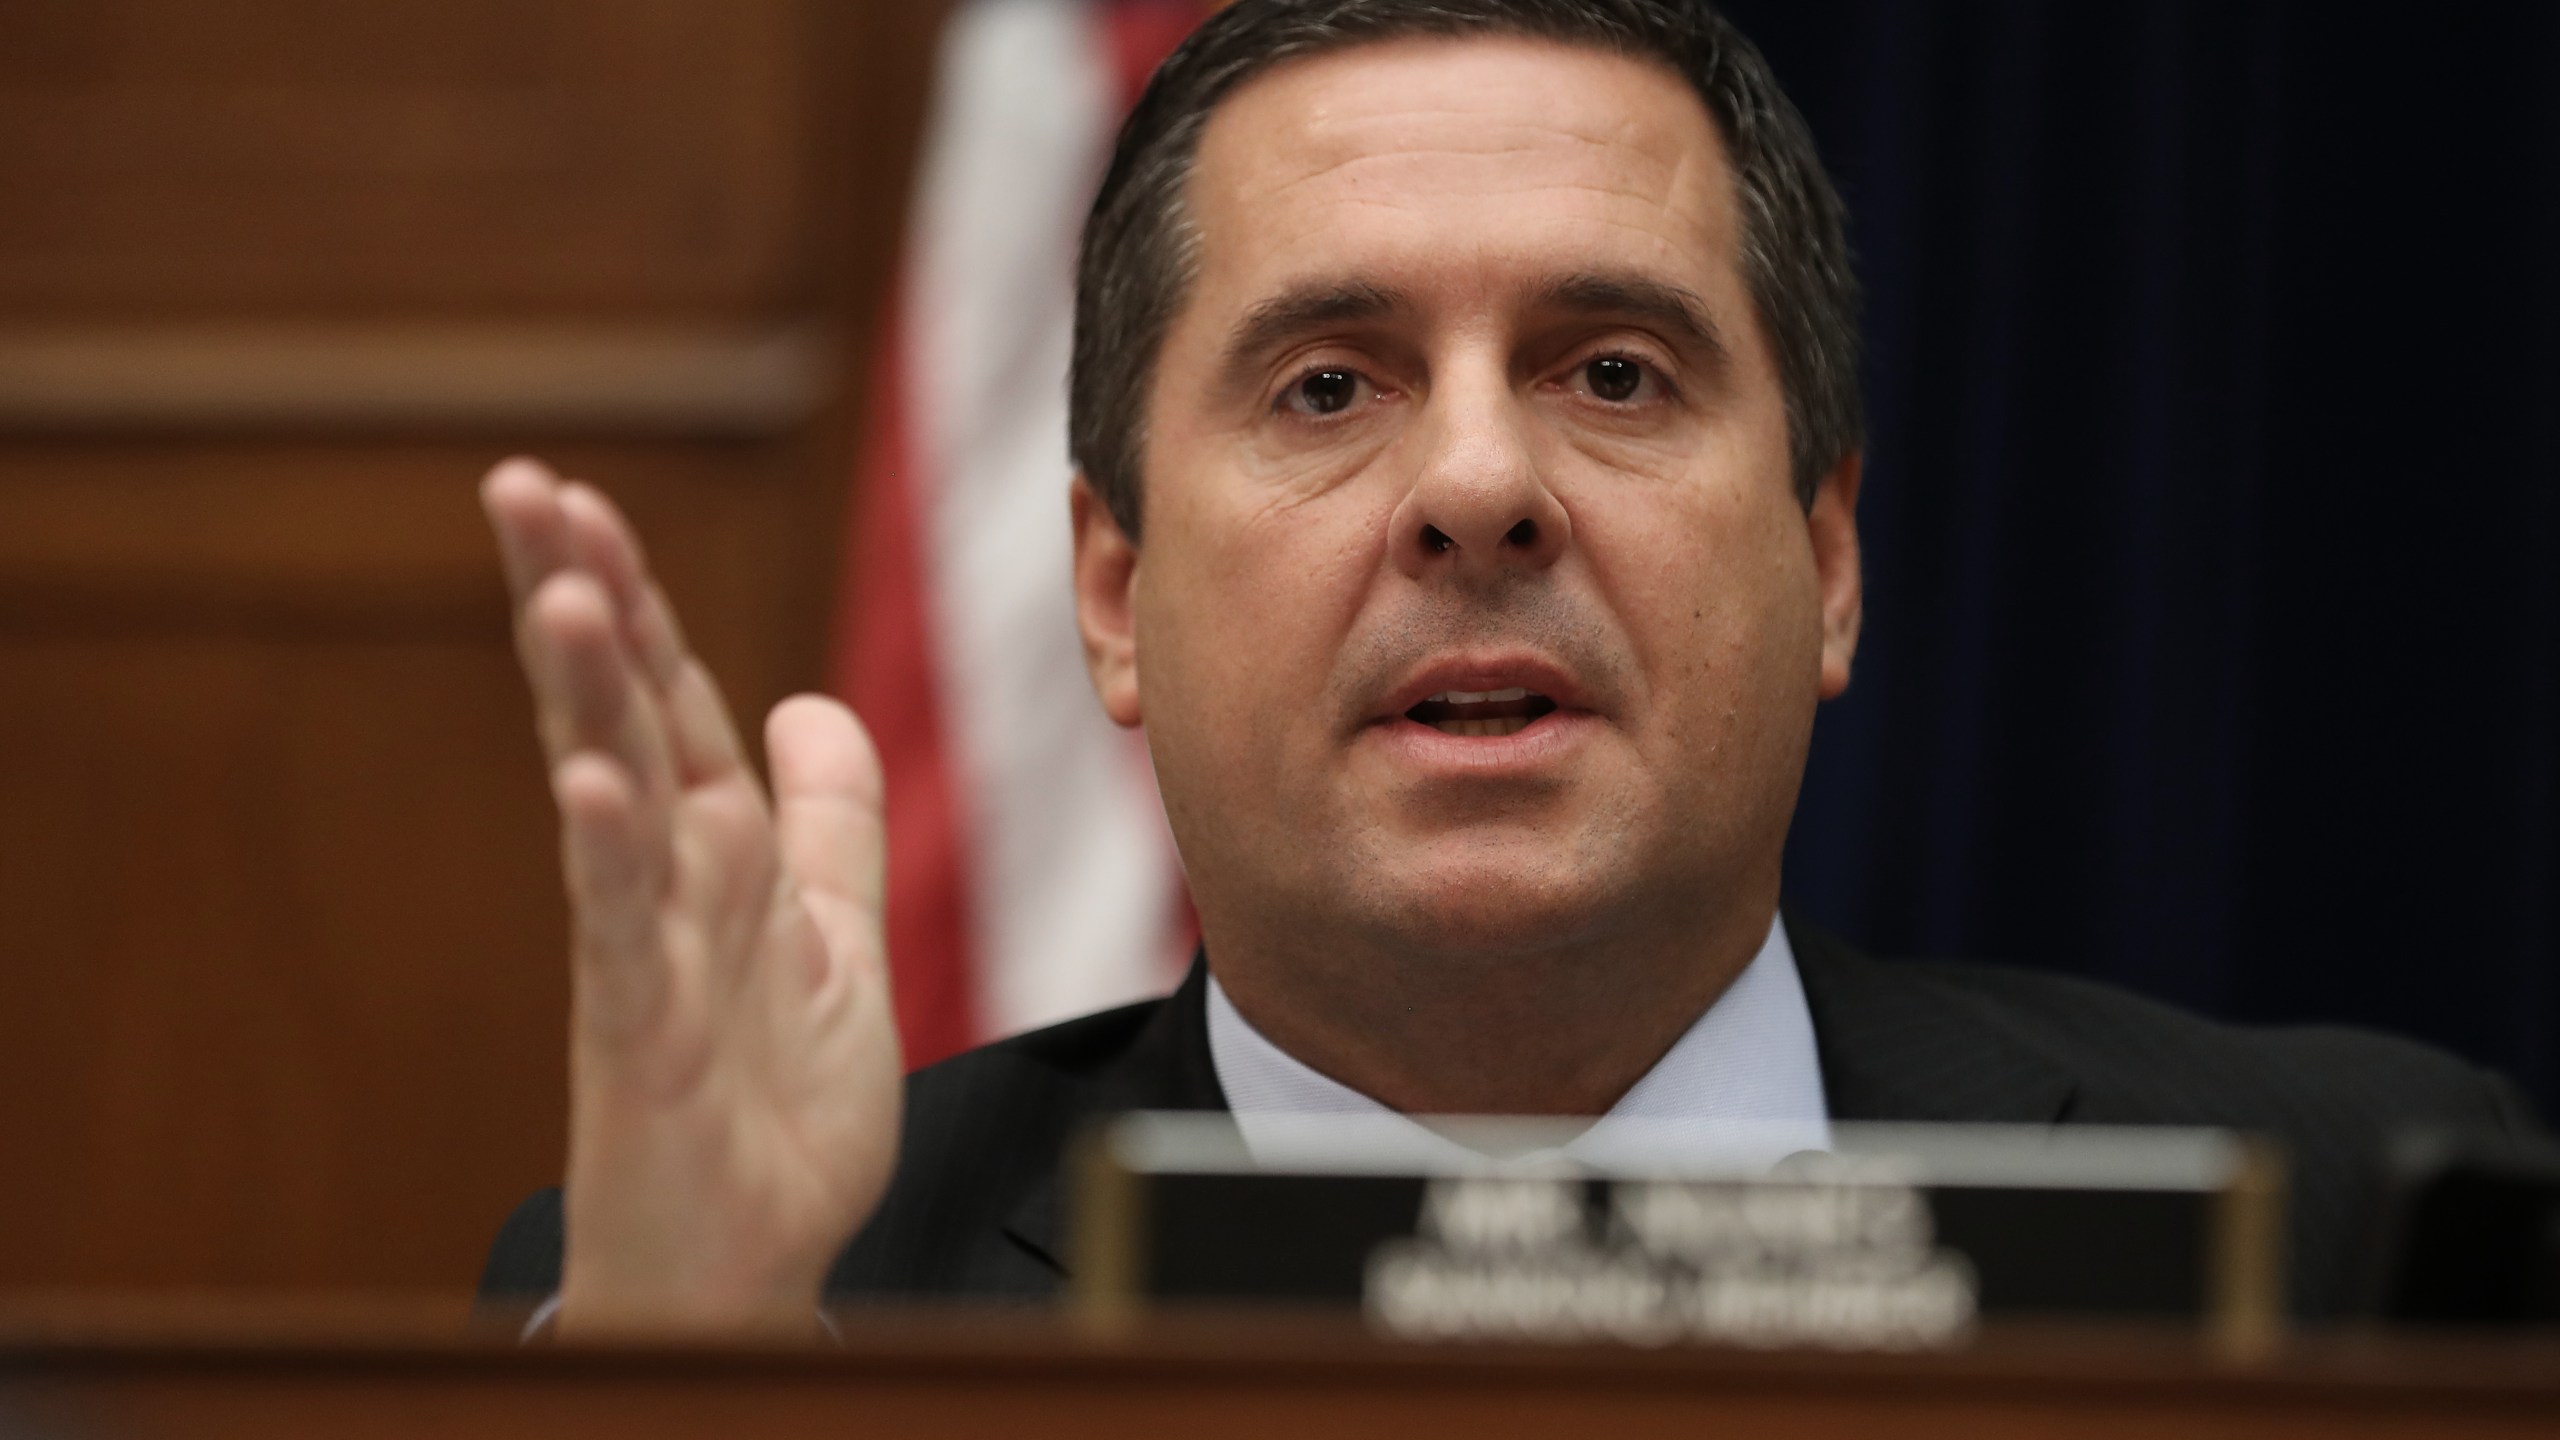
1031	877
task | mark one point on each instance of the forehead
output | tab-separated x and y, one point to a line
1456	164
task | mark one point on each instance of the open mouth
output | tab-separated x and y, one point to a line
1487	712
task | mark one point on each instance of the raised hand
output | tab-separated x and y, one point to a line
734	1069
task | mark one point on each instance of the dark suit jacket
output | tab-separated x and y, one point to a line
977	1207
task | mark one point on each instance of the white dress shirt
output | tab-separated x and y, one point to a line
1745	1076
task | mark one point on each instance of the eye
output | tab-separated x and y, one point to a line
1614	378
1328	391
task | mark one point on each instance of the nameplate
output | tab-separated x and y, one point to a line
1894	1237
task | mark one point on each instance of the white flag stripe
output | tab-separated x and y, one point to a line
1071	872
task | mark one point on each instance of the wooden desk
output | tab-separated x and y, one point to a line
218	1370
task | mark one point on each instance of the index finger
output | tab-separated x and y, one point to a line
521	497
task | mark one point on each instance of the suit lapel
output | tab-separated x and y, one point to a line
1167	1067
1899	1044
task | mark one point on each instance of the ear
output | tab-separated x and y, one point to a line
1833	523
1106	608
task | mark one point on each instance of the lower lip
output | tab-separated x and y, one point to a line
1536	746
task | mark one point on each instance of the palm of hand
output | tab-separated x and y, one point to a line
734	1061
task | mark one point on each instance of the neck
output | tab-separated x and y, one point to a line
1564	1029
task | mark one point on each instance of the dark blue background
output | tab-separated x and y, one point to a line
2213	639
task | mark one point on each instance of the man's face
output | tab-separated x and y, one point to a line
1475	612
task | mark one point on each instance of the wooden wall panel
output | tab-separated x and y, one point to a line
282	971
308	155
280	1032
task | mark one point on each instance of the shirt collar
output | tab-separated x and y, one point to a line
1745	1073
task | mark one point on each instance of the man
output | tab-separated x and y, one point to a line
1468	444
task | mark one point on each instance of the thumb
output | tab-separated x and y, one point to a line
827	819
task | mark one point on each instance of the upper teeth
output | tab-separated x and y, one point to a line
1480	697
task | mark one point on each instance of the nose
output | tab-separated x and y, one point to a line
1479	506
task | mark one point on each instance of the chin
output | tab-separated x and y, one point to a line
1493	902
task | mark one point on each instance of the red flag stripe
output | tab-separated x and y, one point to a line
886	670
1143	32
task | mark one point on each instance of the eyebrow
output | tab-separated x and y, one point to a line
1300	309
1673	308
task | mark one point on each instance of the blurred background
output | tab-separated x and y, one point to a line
2213	519
281	986
2213	629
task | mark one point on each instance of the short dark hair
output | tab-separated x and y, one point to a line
1140	248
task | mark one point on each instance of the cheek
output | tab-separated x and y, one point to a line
1243	612
1723	608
